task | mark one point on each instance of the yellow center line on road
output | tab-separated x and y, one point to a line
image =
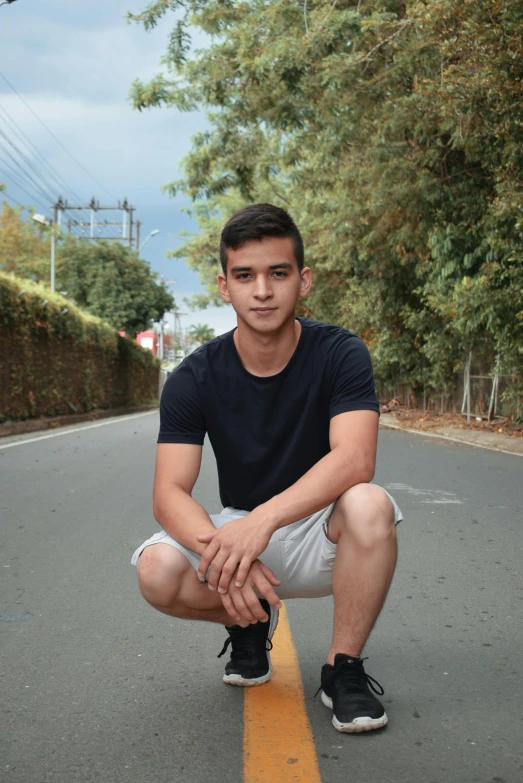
278	744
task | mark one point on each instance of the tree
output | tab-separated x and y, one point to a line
107	279
201	333
25	246
393	132
112	282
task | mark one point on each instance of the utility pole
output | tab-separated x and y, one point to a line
128	209
178	329
45	221
161	341
94	229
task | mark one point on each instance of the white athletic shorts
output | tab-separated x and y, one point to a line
300	554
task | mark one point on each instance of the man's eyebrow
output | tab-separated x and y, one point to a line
281	265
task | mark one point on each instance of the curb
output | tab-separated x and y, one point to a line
37	425
424	434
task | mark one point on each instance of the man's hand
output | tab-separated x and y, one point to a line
243	604
233	547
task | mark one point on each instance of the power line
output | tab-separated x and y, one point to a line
47	195
54	137
7	171
74	226
16	179
45	191
34	178
31	195
17	131
51	185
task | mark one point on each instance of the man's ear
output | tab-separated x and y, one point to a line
222	287
306	281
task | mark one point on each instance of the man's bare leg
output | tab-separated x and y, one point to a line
169	583
362	526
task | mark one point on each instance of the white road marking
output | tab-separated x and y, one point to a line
69	431
431	495
442	501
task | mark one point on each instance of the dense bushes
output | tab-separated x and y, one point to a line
56	359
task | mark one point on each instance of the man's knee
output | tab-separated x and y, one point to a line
161	570
366	512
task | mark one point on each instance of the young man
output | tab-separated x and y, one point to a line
291	413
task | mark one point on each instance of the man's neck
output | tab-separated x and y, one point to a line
267	354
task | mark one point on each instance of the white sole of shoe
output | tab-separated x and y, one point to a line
237	679
358	724
242	682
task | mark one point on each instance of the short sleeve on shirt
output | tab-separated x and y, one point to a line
181	415
352	380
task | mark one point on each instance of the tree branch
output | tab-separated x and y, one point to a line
382	43
324	20
276	193
305	17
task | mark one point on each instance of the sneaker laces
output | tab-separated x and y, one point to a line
353	677
243	643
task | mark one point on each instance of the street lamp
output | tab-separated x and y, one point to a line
152	234
45	221
7	2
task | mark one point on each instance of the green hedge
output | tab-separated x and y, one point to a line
56	359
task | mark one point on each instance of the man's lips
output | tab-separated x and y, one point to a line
263	309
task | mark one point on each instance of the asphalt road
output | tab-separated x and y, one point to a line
97	686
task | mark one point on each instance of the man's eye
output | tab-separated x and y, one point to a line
242	276
281	274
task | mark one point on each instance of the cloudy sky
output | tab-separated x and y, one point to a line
73	63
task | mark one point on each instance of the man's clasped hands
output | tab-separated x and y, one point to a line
230	562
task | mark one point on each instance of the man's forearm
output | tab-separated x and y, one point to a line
329	478
182	517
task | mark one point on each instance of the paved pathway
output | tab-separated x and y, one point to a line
99	687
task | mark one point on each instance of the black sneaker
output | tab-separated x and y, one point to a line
250	662
345	689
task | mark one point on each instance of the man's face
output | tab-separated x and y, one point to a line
263	283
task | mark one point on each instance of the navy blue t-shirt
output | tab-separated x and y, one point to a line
266	432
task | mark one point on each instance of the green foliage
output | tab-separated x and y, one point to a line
201	333
25	305
393	133
113	283
56	359
25	247
107	279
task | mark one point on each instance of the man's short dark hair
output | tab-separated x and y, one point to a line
256	222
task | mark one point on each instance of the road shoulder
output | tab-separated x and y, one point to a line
482	440
11	428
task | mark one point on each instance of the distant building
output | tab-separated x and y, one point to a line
148	339
151	340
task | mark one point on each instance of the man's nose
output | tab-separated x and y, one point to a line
263	288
